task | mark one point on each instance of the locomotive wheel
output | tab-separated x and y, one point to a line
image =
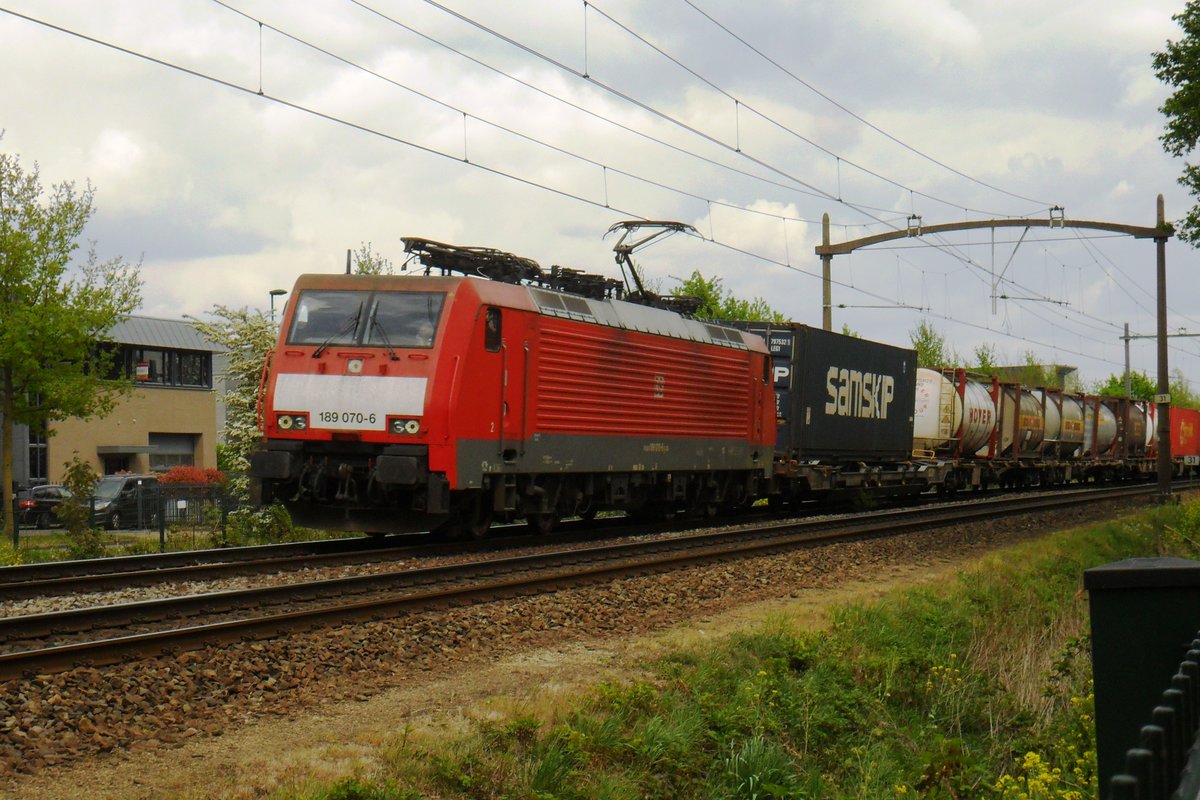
477	515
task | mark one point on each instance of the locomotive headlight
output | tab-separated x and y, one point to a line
287	422
411	427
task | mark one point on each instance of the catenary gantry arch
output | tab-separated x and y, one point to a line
1160	232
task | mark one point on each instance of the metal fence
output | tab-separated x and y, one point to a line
160	508
1165	764
1145	613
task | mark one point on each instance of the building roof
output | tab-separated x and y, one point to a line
174	334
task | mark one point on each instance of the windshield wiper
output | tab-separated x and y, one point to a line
349	326
387	346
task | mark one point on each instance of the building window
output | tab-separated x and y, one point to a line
38	460
159	367
193	369
172	450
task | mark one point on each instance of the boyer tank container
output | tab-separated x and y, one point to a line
944	417
839	398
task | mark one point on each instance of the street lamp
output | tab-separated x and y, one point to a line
275	293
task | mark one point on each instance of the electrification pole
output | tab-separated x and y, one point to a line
826	277
1163	399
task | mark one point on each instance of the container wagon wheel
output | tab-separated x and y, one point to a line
542	524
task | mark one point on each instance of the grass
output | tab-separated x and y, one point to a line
242	527
975	688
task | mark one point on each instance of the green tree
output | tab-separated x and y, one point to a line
1034	373
1141	386
54	317
247	336
1182	394
716	303
986	360
368	262
1178	66
931	346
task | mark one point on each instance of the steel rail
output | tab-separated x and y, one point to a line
21	574
477	581
73	577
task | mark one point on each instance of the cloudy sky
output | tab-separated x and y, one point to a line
235	145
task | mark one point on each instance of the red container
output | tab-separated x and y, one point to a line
1185	432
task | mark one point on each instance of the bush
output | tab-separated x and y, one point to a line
83	540
9	557
193	476
256	526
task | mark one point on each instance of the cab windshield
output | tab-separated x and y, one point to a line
324	317
377	319
403	319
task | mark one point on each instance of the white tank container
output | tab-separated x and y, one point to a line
1064	423
1070	436
1136	428
1026	427
941	417
1053	418
1099	431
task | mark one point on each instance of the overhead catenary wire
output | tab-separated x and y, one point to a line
815	193
584	110
703	135
835	197
856	116
266	96
511	131
740	103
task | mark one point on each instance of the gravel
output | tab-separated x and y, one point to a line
68	717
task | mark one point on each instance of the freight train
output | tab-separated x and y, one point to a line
489	389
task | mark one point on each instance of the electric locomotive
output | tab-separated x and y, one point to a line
402	402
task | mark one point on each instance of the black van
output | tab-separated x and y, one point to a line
127	501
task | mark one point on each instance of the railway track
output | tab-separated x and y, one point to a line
108	574
44	643
117	573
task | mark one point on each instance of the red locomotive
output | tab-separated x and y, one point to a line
393	402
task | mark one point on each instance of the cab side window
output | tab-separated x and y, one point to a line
492	330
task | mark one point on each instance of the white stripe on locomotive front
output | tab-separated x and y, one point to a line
347	401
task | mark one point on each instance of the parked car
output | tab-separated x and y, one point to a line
127	501
38	506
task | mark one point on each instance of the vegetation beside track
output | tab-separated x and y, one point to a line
242	527
978	687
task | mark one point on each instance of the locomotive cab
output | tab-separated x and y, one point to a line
347	409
